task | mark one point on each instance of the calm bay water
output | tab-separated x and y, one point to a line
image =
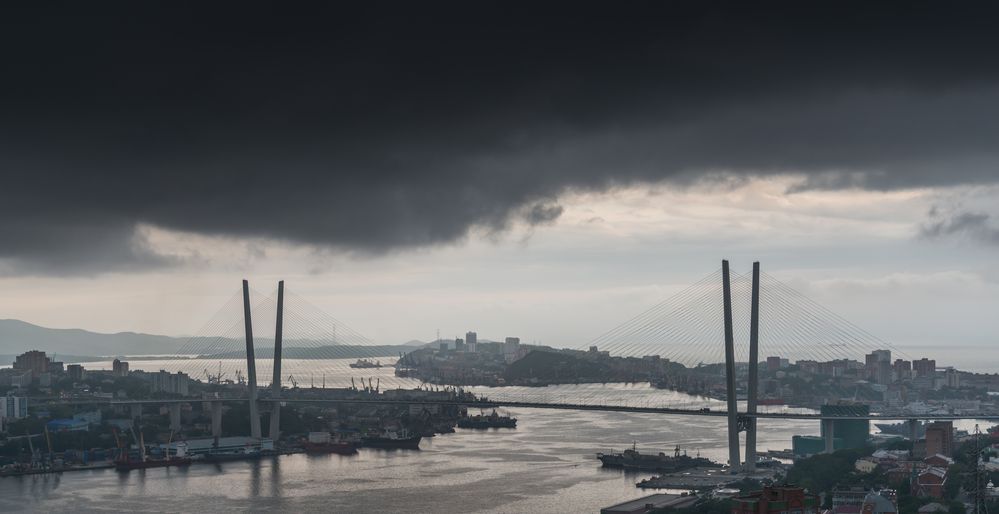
546	464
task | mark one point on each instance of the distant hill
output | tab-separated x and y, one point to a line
17	337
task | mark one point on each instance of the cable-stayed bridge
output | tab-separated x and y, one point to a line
719	326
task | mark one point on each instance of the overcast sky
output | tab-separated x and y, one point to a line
545	172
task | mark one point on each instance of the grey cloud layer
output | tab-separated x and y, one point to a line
395	126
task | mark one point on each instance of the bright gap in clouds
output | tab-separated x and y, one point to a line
608	257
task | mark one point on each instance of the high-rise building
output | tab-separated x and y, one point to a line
13	407
34	361
76	371
511	349
174	383
924	366
119	368
471	342
902	369
773	363
940	438
459	344
952	378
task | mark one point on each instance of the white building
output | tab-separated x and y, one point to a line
11	408
511	349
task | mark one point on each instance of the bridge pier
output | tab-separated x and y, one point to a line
733	406
754	362
275	429
217	419
828	434
251	365
913	430
175	417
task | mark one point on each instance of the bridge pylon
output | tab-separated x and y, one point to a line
752	393
733	407
251	365
275	429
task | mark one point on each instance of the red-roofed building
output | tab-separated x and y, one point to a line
930	482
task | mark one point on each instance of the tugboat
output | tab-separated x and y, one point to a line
493	420
365	363
393	440
631	459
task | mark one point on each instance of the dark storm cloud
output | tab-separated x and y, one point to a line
400	125
974	225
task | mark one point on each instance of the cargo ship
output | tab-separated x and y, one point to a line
393	440
231	456
321	442
493	420
631	459
365	363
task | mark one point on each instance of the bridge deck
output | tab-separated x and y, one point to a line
537	405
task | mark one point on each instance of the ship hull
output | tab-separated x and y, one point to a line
324	448
412	443
128	466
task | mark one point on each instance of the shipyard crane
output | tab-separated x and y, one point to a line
294	383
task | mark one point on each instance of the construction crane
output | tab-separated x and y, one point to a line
48	441
294	383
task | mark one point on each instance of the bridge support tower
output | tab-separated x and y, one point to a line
828	434
175	417
217	419
251	365
733	407
275	429
754	362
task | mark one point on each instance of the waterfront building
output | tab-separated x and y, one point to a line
940	438
119	368
234	444
68	425
776	500
34	361
652	503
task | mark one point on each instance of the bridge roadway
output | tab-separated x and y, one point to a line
488	404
